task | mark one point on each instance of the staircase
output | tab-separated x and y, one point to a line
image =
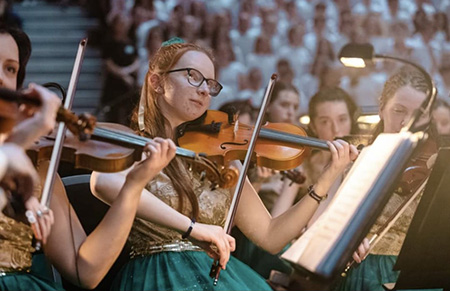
55	33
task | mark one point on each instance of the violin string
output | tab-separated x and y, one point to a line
281	136
135	140
112	135
293	138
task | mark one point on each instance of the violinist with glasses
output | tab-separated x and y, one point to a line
179	223
81	259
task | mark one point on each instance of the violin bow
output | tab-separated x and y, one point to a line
60	135
390	222
215	269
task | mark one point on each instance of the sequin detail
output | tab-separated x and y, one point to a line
15	245
148	238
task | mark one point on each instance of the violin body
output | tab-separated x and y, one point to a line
417	170
90	154
114	147
232	141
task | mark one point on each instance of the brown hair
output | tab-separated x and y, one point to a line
157	125
334	94
24	45
277	89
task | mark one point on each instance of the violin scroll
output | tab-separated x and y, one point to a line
223	177
228	177
294	175
82	126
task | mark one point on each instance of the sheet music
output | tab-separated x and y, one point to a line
311	249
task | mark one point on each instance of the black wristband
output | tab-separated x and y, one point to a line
314	195
188	232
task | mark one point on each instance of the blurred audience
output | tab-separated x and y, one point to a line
298	39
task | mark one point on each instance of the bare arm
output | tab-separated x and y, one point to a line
85	260
105	187
286	199
93	255
272	234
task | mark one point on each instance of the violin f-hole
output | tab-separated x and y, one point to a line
223	145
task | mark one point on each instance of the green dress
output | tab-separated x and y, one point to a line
377	268
258	259
15	258
161	260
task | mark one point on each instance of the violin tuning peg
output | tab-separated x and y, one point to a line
213	186
83	136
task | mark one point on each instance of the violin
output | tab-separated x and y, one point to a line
114	147
417	170
280	146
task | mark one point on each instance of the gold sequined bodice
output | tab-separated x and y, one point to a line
392	241
147	238
15	245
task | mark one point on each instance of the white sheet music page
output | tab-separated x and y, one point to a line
313	246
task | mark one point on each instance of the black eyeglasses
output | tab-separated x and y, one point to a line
196	79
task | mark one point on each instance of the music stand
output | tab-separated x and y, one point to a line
425	255
323	251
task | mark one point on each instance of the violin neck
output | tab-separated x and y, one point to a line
131	140
293	139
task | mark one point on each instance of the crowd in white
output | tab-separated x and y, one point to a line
297	39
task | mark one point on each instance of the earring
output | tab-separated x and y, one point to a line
159	90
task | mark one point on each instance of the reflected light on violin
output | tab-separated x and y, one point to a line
368	119
304	119
371	119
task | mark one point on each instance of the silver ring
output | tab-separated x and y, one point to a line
45	210
39	213
30	216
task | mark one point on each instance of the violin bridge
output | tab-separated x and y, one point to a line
236	128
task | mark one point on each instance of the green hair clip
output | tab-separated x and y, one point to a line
173	40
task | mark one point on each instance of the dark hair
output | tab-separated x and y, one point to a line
281	86
334	94
24	45
277	89
240	106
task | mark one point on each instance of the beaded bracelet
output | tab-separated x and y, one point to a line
315	196
188	232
